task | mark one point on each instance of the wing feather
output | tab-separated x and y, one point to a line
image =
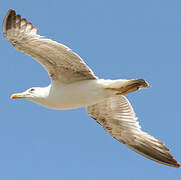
117	117
62	64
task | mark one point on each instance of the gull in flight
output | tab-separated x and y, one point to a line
74	85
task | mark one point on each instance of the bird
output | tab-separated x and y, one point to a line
74	85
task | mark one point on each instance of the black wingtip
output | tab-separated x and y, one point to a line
8	20
163	158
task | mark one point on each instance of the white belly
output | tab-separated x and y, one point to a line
76	95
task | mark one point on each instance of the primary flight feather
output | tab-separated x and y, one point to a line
74	85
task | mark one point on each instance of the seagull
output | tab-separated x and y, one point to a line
74	85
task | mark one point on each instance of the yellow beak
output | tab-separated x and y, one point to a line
19	95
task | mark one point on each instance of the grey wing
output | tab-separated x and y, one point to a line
61	63
117	117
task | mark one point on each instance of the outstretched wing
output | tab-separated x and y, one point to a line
62	64
117	117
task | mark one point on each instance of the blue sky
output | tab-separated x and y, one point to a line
117	39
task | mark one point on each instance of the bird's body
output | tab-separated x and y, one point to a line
75	95
74	85
78	94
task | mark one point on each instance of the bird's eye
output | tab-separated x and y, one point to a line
32	89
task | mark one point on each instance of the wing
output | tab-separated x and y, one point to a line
61	63
117	117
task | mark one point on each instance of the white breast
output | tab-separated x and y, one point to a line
75	95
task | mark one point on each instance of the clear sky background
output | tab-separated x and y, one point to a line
117	39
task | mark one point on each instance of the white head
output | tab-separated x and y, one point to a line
35	94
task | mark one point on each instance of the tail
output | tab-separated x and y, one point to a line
122	87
